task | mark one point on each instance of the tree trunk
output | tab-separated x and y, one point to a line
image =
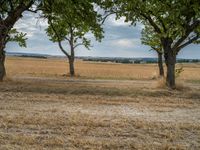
71	67
2	65
2	53
160	64
170	59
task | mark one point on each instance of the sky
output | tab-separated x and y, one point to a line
120	40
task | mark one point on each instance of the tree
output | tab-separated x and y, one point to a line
10	12
176	22
70	24
151	39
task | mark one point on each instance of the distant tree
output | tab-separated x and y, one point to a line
150	38
177	22
69	22
10	12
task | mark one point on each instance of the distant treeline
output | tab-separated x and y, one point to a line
136	61
106	59
32	56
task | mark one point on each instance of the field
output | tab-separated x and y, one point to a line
90	70
107	106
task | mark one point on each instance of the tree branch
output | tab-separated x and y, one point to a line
77	45
156	28
16	14
189	29
59	41
163	25
62	49
160	20
106	16
66	38
188	42
157	49
33	11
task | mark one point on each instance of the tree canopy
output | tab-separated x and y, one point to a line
178	20
77	15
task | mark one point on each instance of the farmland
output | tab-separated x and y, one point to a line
90	70
106	106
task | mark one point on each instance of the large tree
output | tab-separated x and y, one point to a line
10	12
176	22
151	39
70	25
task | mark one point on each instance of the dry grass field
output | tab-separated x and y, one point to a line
59	68
41	109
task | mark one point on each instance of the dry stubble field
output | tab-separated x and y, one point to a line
91	70
57	113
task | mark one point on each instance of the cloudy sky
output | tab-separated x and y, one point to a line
121	40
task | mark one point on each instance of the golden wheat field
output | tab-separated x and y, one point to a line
107	106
